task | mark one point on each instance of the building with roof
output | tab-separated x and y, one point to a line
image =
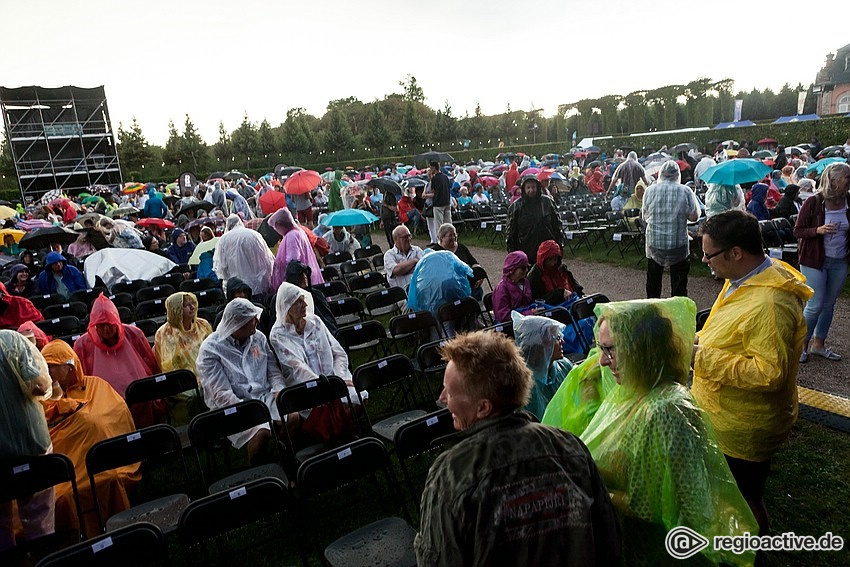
832	85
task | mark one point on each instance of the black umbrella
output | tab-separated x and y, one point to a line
428	157
234	175
386	185
414	182
286	171
505	155
594	163
216	175
593	150
270	235
684	147
194	206
830	151
44	237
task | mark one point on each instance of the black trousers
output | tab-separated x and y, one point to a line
678	278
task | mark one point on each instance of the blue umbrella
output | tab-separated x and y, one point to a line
736	171
350	217
819	166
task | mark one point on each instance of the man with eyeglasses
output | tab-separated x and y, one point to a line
746	357
400	260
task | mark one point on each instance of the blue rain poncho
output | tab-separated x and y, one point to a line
538	337
438	278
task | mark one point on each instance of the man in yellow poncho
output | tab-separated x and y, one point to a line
746	360
654	447
82	411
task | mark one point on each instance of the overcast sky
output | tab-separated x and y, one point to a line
216	59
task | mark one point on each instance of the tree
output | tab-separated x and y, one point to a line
245	140
412	91
412	129
296	138
377	136
193	147
223	149
474	126
133	149
445	126
266	141
173	152
338	137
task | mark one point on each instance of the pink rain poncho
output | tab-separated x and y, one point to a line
294	246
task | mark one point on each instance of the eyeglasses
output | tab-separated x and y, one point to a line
609	351
713	254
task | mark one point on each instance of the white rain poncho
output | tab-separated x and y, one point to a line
24	425
314	353
231	372
722	198
538	337
115	265
242	253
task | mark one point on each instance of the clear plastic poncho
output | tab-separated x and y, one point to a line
655	448
242	253
538	337
438	278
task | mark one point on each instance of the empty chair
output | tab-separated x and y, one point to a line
162	386
150	309
198	284
368	252
368	335
354	267
393	378
333	288
386	302
135	545
123	299
506	328
130	287
337	258
458	316
87	296
174	279
429	363
43	301
388	541
142	446
346	310
420	436
77	309
330	273
702	317
367	283
126	315
210	297
154	292
59	326
419	327
583	315
147	326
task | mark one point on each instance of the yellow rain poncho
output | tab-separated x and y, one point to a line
654	447
746	365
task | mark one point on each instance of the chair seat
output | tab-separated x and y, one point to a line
385	542
164	513
240	478
363	346
347	319
386	428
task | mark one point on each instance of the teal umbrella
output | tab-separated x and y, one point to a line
736	171
819	166
350	217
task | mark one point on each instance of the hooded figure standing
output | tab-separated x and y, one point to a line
154	207
242	253
335	193
532	219
294	246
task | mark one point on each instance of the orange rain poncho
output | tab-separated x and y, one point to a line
89	411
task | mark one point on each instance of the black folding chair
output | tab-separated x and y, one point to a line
147	326
368	335
367	283
87	296
150	309
136	545
506	328
154	292
337	258
198	284
41	302
209	297
430	363
368	252
59	326
702	317
583	309
174	279
162	386
145	445
130	287
386	302
459	315
420	436
417	327
333	288
346	310
123	299
388	541
76	309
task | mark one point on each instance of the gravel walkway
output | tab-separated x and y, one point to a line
620	283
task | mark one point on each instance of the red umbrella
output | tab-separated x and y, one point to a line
272	201
302	181
160	223
488	181
544	175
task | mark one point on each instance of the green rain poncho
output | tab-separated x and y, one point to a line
334	197
654	447
538	337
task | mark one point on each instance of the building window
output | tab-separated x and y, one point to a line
847	63
844	104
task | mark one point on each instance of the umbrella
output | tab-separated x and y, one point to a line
172	187
34	224
653	167
194	206
234	175
544	175
94	217
766	141
529	171
206	221
685	147
269	234
16	234
96	238
819	166
763	154
593	149
92	199
386	185
271	201
591	165
735	171
795	151
414	182
328	176
44	237
122	211
216	175
50	195
160	223
829	151
206	246
505	155
350	217
7	213
428	157
133	187
302	182
488	181
286	171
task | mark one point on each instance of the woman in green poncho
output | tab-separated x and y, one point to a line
334	195
654	447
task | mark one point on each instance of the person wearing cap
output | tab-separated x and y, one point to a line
667	207
59	277
236	364
532	219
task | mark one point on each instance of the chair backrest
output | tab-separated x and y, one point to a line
382	373
77	309
23	476
457	310
150	308
135	447
209	297
337	258
173	279
346	306
342	465
583	308
138	544
413	322
368	252
130	287
332	288
330	273
360	266
123	299
366	281
43	301
58	326
87	296
311	394
488	301
360	333
154	292
148	326
506	328
197	284
385	298
418	435
207	428
160	386
702	317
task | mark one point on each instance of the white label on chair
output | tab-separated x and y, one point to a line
343	454
547	314
618	236
432	421
21	468
111	297
202	293
54	320
46	296
66	305
412	316
229	411
157	301
569	235
134	436
443	343
358	327
457	301
775	252
498	228
160	378
590	301
311	384
234	494
499	328
327	284
156	288
483	225
101	545
353	262
196	280
384	292
382	364
340	302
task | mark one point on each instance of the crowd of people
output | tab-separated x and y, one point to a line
625	452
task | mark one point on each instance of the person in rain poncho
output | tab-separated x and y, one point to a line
335	193
532	219
82	411
514	290
154	207
15	310
720	198
242	253
181	248
235	364
550	279
655	448
59	277
119	354
294	246
304	345
440	278
120	233
757	206
298	274
339	240
540	339
628	173
34	335
240	205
